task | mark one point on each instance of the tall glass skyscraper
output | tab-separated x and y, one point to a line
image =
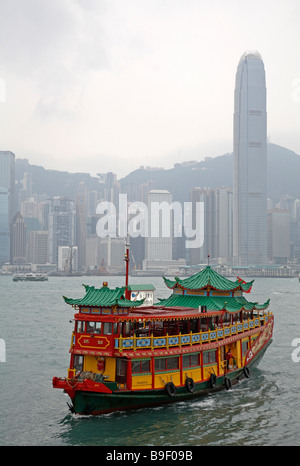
250	162
7	202
61	226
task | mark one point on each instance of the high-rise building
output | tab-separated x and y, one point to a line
38	247
7	203
81	218
217	225
158	244
67	259
207	196
18	240
279	235
112	252
250	162
224	224
61	226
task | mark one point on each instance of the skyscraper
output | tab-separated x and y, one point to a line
7	203
81	208
18	240
38	247
250	162
159	241
207	196
61	226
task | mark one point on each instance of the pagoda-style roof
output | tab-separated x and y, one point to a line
103	297
212	303
208	278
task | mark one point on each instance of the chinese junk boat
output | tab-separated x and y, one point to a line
205	337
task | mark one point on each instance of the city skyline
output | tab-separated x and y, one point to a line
48	214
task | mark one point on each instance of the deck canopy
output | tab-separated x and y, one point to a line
208	278
103	297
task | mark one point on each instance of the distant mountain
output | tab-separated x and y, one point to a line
283	172
54	182
212	173
283	176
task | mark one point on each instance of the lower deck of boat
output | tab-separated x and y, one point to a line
91	403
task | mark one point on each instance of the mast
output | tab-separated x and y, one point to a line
127	245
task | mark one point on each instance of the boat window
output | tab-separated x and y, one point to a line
97	328
107	328
246	315
160	364
194	325
173	363
80	326
121	370
190	360
141	366
245	345
157	328
226	318
78	363
93	327
166	364
210	357
125	329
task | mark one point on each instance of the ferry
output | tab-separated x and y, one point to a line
205	337
29	277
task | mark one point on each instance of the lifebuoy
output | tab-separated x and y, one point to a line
189	384
246	372
170	389
212	380
227	382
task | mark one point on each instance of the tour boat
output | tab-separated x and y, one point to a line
29	277
205	337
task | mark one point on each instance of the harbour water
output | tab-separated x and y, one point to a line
35	326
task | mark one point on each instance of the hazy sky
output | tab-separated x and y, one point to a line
109	85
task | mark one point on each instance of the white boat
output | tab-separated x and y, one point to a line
31	277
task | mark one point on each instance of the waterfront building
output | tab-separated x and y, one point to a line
158	243
68	259
7	203
207	196
112	252
279	235
18	239
4	226
38	247
81	217
224	225
250	162
61	226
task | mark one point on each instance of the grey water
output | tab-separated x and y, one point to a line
263	410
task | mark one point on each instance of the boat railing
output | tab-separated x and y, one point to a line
189	339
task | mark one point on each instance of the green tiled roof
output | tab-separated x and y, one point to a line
208	277
141	287
213	303
103	297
